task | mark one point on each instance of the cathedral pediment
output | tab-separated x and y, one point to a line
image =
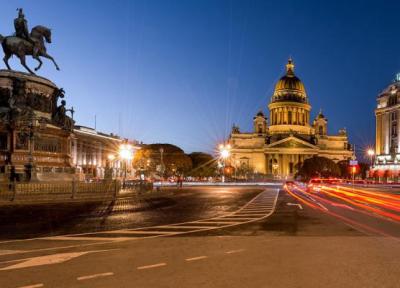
292	142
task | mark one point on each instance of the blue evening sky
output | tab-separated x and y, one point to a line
183	72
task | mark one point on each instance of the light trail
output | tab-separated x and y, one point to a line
347	220
351	197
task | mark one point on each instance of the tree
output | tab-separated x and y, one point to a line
204	165
344	169
175	160
244	171
319	167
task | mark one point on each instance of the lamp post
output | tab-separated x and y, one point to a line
224	152
111	158
126	154
371	154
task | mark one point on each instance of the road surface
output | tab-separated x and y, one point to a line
270	238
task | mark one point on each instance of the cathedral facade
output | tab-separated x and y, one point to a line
278	146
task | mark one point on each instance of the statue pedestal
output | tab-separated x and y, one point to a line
28	106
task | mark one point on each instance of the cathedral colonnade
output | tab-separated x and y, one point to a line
284	164
290	116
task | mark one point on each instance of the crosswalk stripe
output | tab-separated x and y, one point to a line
82	238
139	232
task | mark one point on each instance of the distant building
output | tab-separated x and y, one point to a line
387	138
93	152
279	146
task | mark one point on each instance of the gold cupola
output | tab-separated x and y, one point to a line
289	108
289	87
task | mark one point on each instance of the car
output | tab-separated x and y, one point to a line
314	185
289	183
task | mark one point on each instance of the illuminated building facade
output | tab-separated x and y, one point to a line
387	132
279	146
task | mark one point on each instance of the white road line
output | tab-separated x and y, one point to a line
133	232
87	277
234	251
71	238
254	215
240	218
215	223
33	286
218	222
190	227
6	252
151	266
196	258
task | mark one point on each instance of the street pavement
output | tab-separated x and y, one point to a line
246	237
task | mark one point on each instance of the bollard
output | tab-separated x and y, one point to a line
115	189
14	190
73	189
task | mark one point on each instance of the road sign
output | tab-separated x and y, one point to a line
353	163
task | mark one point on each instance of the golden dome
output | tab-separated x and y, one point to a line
289	87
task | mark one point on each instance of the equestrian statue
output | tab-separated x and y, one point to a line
23	43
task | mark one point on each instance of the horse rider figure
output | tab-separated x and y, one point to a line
21	31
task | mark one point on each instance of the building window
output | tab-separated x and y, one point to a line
290	117
260	130
291	167
393	100
3	141
320	130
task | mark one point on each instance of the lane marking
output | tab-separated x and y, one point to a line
196	258
211	221
87	277
48	259
150	232
78	238
6	252
295	204
234	251
218	222
192	227
45	260
151	266
33	286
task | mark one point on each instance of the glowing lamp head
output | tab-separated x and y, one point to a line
111	157
224	153
126	151
370	152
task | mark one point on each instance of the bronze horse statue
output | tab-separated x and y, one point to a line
20	47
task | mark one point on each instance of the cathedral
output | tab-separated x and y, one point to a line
277	146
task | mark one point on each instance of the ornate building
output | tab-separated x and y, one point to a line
280	146
387	131
38	141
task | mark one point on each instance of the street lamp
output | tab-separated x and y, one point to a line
224	152
371	154
126	154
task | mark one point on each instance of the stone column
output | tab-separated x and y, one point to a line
378	134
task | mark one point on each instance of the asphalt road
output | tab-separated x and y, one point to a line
332	239
153	208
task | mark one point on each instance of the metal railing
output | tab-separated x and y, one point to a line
16	191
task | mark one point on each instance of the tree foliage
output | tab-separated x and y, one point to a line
175	160
319	167
204	165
